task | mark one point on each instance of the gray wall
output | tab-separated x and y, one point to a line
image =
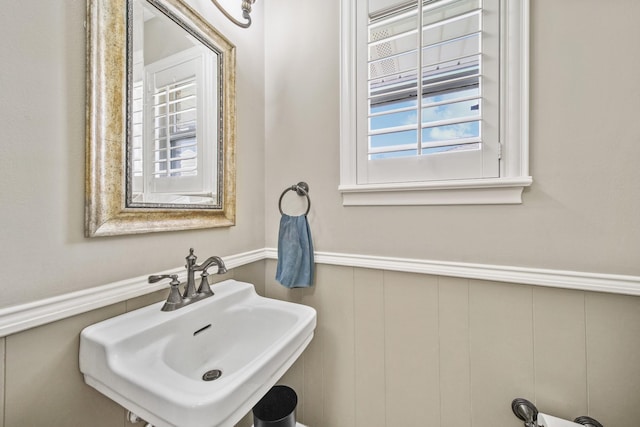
42	116
581	212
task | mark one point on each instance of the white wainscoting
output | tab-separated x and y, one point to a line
25	316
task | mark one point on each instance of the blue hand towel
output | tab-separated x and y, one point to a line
295	252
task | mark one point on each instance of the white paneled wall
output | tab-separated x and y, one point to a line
395	349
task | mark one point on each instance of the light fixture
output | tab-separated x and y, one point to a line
246	13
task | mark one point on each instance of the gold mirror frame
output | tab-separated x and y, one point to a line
106	213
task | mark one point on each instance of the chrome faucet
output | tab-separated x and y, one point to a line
190	295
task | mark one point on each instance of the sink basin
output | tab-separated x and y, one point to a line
206	364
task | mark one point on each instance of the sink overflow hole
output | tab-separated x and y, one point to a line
212	375
202	329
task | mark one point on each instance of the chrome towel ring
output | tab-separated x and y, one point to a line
302	188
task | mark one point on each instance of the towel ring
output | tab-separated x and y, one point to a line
302	188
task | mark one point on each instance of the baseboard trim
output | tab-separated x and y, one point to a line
25	316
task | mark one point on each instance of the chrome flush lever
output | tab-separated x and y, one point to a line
587	421
526	411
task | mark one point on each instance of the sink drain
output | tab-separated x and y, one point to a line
212	375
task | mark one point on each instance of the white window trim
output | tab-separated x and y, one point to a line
514	165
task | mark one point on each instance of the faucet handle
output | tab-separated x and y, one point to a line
157	278
204	289
174	301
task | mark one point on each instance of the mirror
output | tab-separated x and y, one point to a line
160	119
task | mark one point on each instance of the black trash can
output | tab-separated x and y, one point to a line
277	408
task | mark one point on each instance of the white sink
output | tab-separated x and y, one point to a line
152	362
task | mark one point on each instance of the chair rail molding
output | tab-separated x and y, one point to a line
595	282
21	317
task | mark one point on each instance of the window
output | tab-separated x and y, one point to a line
434	101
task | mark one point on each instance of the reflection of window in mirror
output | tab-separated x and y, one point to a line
171	116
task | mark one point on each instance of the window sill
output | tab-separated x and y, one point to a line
495	191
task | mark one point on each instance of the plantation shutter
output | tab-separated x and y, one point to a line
430	82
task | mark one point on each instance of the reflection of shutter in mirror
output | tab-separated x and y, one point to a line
137	135
177	158
175	121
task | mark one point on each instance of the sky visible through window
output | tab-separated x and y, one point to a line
434	61
432	134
